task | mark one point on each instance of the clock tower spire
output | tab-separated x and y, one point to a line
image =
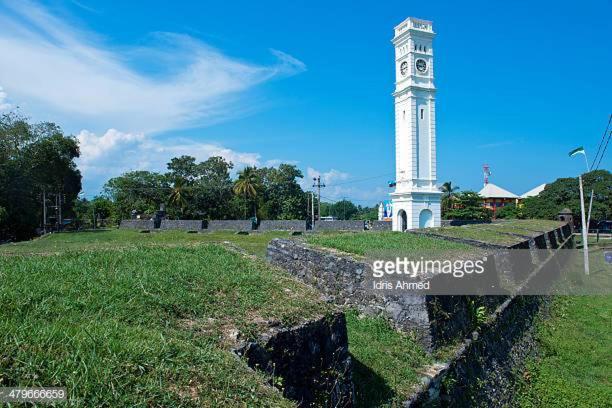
416	200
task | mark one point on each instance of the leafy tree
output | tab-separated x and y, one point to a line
282	196
448	195
248	185
342	210
510	211
212	194
178	193
564	192
140	191
367	213
34	158
468	206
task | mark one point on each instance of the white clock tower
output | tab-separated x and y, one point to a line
416	200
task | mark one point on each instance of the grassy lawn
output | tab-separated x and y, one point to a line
534	225
255	243
386	363
142	326
368	242
574	368
128	319
478	234
498	233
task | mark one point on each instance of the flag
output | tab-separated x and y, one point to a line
578	150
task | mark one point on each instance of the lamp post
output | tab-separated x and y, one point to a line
585	221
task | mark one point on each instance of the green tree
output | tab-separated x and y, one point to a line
282	196
564	192
509	211
178	194
34	158
248	186
140	191
469	206
448	195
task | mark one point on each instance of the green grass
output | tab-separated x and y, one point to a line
574	368
498	233
478	234
129	319
386	362
365	243
255	243
142	326
533	224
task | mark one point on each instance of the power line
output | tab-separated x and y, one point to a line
601	143
360	180
604	150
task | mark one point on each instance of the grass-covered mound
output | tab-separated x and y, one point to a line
112	239
123	318
574	365
142	326
363	243
500	233
386	363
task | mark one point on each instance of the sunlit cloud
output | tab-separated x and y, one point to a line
65	73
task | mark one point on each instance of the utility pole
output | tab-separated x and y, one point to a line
59	211
307	206
317	183
44	211
585	230
312	212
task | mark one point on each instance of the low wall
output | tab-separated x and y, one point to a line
186	225
486	368
312	359
435	320
342	279
380	225
340	225
231	225
282	225
458	223
137	224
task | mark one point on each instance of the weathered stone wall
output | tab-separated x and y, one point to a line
232	225
282	225
380	225
457	223
340	225
312	359
186	225
342	279
485	368
137	224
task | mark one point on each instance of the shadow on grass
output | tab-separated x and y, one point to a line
371	390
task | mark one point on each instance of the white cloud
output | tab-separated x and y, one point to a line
278	162
64	73
339	185
330	177
114	152
4	105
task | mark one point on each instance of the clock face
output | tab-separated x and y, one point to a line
404	68
421	65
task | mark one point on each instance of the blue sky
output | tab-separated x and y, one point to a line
310	83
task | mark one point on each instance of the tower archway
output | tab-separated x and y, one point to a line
425	219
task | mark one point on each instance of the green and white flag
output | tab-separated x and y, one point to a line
578	150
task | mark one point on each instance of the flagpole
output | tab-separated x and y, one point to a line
585	227
585	231
588	220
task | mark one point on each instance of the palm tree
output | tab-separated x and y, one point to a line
448	193
247	186
177	196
